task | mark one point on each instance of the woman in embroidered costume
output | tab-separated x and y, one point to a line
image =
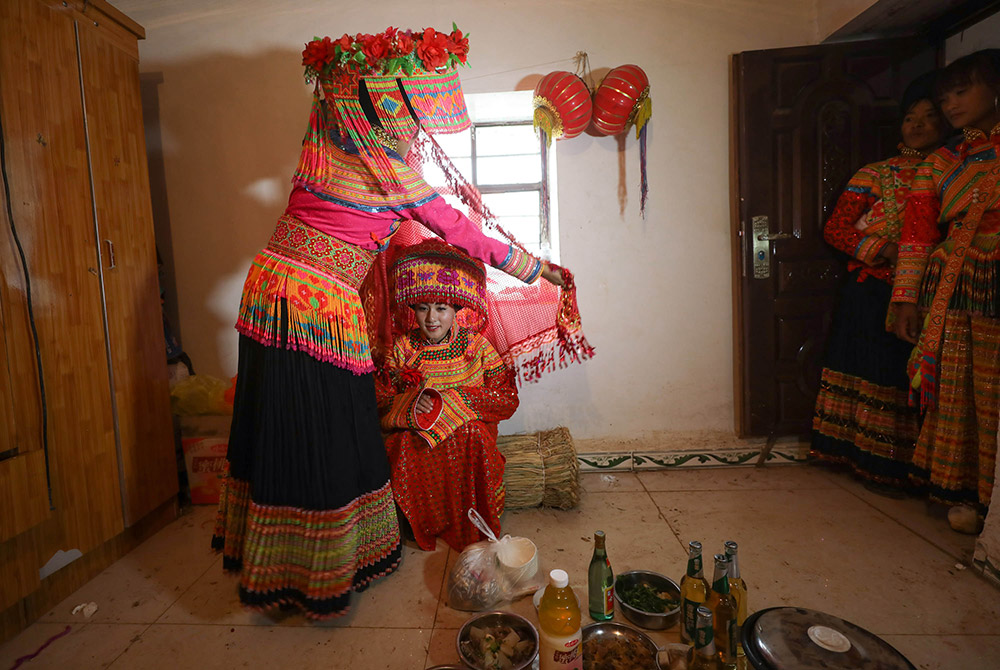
861	417
949	269
443	390
307	513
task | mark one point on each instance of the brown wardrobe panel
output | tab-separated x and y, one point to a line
128	258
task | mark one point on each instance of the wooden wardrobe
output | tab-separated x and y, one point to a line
87	462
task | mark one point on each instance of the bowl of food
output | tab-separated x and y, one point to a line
648	599
615	646
497	641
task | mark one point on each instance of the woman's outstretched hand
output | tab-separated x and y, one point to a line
552	276
907	321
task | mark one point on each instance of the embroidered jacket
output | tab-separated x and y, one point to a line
463	376
860	225
942	192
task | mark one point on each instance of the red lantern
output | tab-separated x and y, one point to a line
562	105
621	100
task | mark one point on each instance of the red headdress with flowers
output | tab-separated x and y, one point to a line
400	71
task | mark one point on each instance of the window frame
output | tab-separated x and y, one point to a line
542	186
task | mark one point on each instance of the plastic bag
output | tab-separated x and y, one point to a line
493	571
200	394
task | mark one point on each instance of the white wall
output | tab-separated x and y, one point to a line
983	35
831	15
655	294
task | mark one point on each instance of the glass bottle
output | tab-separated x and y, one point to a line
600	582
694	592
702	656
739	590
559	626
723	607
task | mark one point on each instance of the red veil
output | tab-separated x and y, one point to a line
534	327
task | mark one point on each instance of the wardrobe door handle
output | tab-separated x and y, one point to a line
111	254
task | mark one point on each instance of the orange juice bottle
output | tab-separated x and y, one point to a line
561	645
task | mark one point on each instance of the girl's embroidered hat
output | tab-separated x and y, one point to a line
433	271
403	74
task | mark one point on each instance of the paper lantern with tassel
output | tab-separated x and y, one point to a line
562	106
622	100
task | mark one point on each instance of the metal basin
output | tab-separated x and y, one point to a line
651	620
524	628
618	634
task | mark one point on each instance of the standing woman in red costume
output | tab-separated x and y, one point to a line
861	417
949	270
307	514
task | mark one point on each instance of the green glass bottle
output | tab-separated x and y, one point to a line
600	582
723	606
738	588
702	656
694	592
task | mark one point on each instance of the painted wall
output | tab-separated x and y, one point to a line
227	117
831	15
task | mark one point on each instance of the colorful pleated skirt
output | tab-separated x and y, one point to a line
862	418
306	514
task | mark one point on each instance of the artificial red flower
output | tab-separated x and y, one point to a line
344	42
318	53
404	44
459	44
433	49
375	48
410	377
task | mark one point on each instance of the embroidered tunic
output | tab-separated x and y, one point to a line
942	192
324	245
447	461
867	216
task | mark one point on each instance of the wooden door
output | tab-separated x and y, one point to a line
127	251
806	118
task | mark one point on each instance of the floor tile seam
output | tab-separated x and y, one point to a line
180	595
945	551
132	641
662	514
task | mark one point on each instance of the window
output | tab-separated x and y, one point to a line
503	157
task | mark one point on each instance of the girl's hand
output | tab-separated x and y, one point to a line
890	252
424	404
552	276
907	321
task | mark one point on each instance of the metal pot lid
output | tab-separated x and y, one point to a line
792	638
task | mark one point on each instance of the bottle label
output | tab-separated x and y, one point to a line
731	642
561	652
609	600
690	622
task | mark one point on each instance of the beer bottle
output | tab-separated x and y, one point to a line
723	607
739	590
702	656
694	592
600	582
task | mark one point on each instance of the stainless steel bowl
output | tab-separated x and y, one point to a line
524	628
619	633
650	620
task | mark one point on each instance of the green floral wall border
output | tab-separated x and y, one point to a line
645	460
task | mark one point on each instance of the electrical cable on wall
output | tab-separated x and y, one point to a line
31	311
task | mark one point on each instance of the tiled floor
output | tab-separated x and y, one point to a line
807	537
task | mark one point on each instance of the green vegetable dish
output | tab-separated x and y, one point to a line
645	598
